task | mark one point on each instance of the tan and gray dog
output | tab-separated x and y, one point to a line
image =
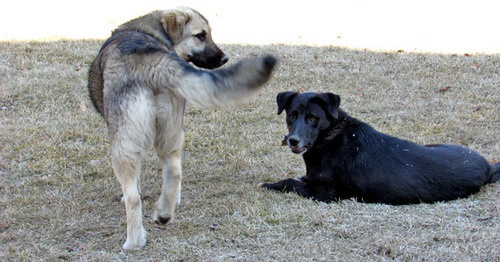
140	82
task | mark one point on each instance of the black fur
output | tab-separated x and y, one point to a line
134	42
346	158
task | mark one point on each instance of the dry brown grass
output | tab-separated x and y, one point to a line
60	201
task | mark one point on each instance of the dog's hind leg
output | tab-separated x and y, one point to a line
128	173
132	135
495	172
171	188
169	142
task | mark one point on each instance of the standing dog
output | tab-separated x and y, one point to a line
347	158
140	82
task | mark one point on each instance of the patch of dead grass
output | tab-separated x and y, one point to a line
60	200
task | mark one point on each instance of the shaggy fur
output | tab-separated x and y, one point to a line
140	82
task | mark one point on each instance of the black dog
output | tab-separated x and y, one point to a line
346	158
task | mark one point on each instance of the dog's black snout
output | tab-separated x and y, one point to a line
293	141
224	59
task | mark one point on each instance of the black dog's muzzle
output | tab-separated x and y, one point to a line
295	143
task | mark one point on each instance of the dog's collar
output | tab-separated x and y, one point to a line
336	129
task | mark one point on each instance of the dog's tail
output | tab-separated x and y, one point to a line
222	87
495	173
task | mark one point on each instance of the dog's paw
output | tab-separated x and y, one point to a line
265	66
264	185
136	244
269	62
162	220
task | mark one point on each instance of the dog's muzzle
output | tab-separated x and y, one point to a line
296	145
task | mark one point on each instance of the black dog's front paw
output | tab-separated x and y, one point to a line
287	185
278	186
272	186
264	185
303	179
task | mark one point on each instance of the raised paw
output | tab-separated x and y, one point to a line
269	63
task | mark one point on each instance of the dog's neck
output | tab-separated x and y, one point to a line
337	127
344	129
148	24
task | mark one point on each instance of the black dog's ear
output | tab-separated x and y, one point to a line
332	103
284	99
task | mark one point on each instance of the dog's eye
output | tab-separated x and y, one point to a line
311	118
201	36
292	117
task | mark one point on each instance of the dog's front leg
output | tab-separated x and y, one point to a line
289	185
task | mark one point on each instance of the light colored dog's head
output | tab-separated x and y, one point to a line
191	37
183	29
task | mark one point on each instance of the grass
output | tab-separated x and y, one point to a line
59	199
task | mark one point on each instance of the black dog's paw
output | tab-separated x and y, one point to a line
264	185
303	179
287	185
272	186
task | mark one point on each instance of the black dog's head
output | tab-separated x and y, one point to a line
308	115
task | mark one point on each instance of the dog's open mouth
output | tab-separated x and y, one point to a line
298	150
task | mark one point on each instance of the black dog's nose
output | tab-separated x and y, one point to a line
293	141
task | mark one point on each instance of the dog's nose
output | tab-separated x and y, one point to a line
224	60
293	141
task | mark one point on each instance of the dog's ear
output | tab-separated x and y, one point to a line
173	22
284	99
332	102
